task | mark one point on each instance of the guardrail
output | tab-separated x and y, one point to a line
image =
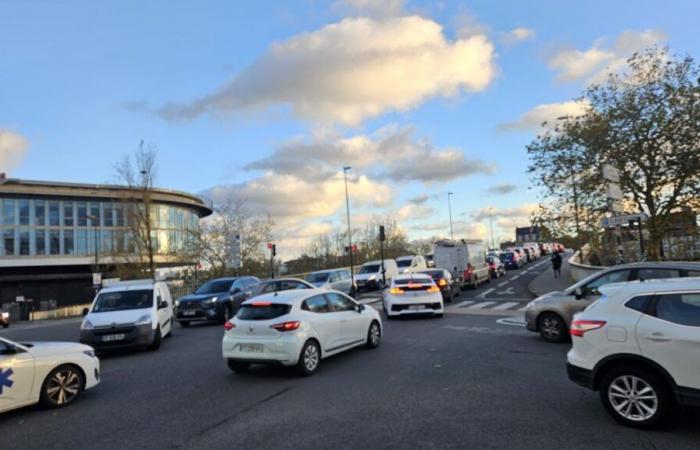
579	270
59	313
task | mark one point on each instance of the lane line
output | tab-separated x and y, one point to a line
523	308
515	277
464	303
502	284
481	305
505	305
485	293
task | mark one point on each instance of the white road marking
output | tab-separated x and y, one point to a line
505	305
463	304
502	284
485	293
523	308
481	305
515	277
509	291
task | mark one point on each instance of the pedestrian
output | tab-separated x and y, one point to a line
556	264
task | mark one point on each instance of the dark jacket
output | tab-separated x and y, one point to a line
556	261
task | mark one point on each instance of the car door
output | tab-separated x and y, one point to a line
335	282
669	334
319	314
162	312
590	290
238	294
16	375
350	321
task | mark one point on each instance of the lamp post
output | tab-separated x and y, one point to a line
449	207
347	209
493	243
95	220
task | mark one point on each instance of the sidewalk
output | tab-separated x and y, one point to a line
546	282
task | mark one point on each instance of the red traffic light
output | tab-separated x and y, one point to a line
269	245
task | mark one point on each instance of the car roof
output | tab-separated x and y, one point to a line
406	257
326	270
225	279
129	286
290	297
285	279
658	264
651	286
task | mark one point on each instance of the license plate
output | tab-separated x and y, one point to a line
188	313
113	337
416	307
252	348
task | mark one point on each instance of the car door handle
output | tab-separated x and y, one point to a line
658	337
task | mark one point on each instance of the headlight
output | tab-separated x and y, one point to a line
213	299
5	315
144	320
90	353
372	277
177	303
86	325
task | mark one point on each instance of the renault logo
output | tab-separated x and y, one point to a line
250	329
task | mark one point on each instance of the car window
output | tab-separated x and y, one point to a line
639	303
616	276
693	273
683	309
317	304
656	274
340	303
262	312
270	287
334	277
289	285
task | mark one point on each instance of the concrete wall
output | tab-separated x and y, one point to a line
579	271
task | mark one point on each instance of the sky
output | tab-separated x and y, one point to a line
266	101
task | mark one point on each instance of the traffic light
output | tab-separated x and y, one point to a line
382	235
274	250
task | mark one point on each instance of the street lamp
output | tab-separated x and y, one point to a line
347	209
493	242
95	220
449	207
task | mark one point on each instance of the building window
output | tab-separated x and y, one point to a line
68	242
8	212
95	214
23	206
40	241
81	209
54	214
54	241
108	218
39	213
119	214
68	214
81	242
9	241
24	240
106	241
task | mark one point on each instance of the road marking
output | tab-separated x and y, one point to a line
502	284
485	293
512	321
505	305
523	308
509	291
515	277
465	303
481	305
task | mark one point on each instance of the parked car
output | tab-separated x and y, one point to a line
638	346
522	255
534	250
369	277
551	314
51	373
496	267
336	279
4	319
412	294
298	328
511	260
411	263
466	256
216	300
280	284
449	286
128	314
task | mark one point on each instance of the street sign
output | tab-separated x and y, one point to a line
96	279
616	221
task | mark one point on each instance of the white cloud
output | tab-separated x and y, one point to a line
594	63
549	112
13	147
516	35
353	70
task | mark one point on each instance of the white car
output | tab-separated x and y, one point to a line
298	328
53	373
411	263
413	294
639	346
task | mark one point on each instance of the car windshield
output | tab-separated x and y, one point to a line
506	256
372	268
123	300
434	274
262	312
214	286
319	277
403	262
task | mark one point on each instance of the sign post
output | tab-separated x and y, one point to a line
382	238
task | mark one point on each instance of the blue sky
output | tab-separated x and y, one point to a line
82	82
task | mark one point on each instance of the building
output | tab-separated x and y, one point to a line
53	234
527	234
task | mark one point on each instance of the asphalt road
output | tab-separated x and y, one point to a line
463	381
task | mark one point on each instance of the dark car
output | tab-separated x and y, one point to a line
216	300
4	319
496	267
280	284
511	260
449	286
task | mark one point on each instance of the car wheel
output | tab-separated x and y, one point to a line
184	324
438	316
551	327
156	340
451	298
636	397
309	358
62	386
374	335
474	283
5	325
237	366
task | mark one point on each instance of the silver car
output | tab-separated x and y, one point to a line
335	279
551	314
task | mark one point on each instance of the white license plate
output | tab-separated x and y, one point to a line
188	313
252	348
416	307
113	337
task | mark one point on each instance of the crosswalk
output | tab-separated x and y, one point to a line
496	307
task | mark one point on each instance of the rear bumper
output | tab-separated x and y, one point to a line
582	377
432	304
284	350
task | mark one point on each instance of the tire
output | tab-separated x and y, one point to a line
237	366
184	324
474	283
156	340
309	358
552	327
5	325
62	386
657	397
451	298
374	335
227	314
438	316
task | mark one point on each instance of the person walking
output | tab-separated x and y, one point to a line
556	264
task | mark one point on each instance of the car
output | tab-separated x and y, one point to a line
522	255
217	300
298	328
511	260
411	263
638	346
370	276
51	373
551	314
496	267
412	294
4	319
135	313
280	284
464	258
335	279
449	286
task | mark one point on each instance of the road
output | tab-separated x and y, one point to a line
463	381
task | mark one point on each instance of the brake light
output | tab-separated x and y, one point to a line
396	290
579	327
261	303
433	289
286	326
442	282
228	326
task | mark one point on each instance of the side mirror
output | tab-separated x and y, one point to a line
578	293
162	305
86	311
360	308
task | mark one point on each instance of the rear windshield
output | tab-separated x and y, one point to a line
267	312
506	256
373	268
403	262
434	274
412	281
320	277
123	300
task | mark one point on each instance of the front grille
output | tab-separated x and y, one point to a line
113	330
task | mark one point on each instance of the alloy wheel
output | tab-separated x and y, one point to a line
374	334
311	357
63	386
633	398
551	328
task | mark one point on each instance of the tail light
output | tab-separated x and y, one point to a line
433	289
286	326
442	282
396	290
579	327
228	326
261	303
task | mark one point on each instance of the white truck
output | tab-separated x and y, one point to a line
464	258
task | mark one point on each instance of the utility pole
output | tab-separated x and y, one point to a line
347	209
493	242
382	238
273	253
449	207
95	223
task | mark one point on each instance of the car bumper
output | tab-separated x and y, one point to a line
531	319
198	313
283	350
580	376
135	336
430	304
92	373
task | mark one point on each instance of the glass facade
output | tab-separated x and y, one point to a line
35	227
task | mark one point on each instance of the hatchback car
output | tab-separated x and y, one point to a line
298	328
511	260
449	285
639	346
413	294
551	314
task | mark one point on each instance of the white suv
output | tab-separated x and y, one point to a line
639	346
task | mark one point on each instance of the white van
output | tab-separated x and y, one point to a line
128	314
369	276
467	256
411	263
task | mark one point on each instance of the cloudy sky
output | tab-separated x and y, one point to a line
266	101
